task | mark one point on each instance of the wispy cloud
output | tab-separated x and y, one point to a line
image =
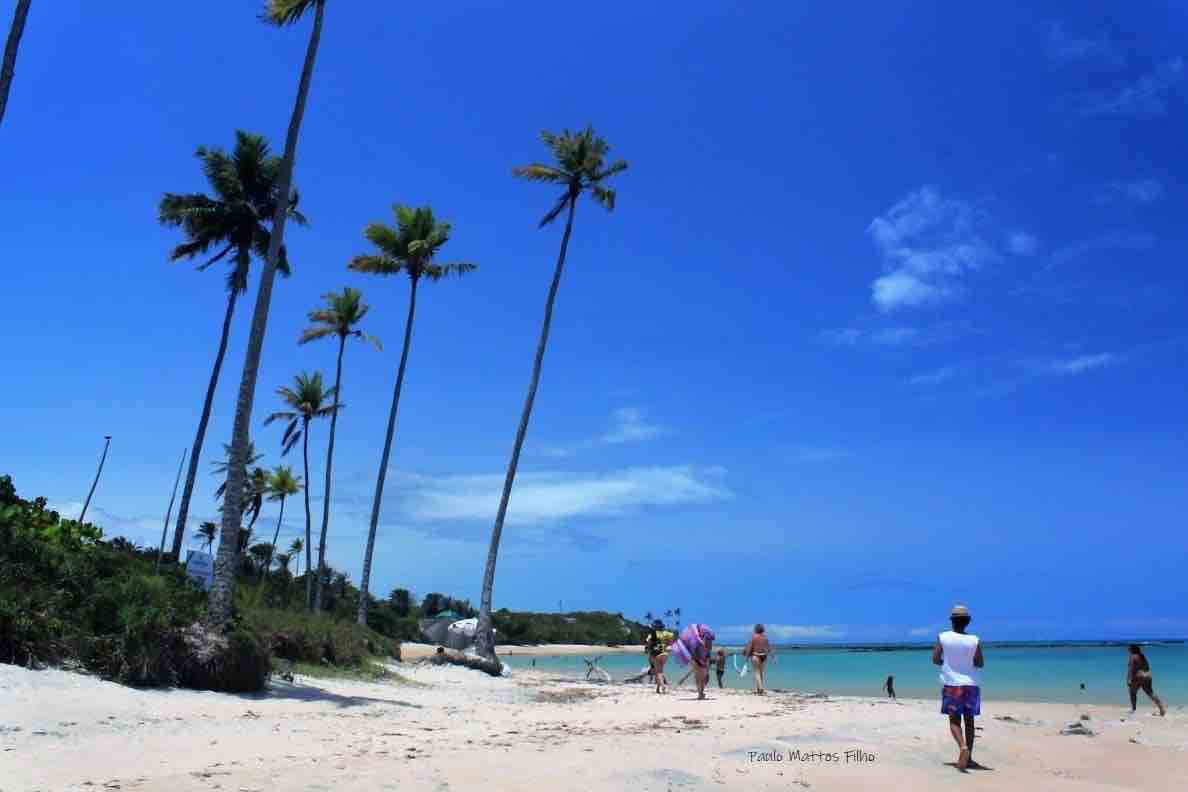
934	377
1145	97
1065	47
554	496
627	426
1021	243
1139	191
928	243
897	335
1114	240
1081	364
785	632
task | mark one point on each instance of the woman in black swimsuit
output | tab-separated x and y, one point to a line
1138	676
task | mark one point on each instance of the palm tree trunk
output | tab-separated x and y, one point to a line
10	52
365	583
484	640
329	464
106	444
169	511
308	526
183	509
222	593
275	536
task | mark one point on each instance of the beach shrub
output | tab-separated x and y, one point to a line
232	661
316	638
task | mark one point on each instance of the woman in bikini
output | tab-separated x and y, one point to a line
657	647
757	650
1138	677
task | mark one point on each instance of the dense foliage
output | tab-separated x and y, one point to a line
583	627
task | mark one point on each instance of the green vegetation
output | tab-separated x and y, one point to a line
585	627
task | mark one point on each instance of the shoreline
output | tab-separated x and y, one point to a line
417	650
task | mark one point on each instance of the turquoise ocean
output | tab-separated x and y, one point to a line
1050	672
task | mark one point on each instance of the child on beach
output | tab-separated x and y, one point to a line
889	686
757	650
959	654
1138	676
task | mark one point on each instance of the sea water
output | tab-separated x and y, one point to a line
1051	672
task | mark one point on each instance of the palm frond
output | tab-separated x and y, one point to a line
604	196
376	265
540	173
315	334
286	12
562	202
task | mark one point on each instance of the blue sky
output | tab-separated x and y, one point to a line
890	313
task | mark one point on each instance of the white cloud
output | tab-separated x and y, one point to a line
1021	243
546	497
1139	191
628	426
1146	97
1064	47
1082	363
933	377
928	242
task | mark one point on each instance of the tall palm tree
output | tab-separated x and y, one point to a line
222	593
306	402
106	445
281	484
233	221
208	531
257	485
410	248
8	66
295	548
336	320
579	166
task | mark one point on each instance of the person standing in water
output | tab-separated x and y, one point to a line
889	686
1138	676
720	666
959	654
757	650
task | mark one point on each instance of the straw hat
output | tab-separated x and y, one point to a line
959	610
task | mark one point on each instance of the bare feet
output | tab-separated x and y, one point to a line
963	759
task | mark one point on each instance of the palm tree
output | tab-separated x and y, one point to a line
281	484
307	402
233	222
208	531
261	555
10	52
295	549
222	593
338	319
410	249
253	499
283	560
106	444
579	166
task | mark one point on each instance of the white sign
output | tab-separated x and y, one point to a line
200	568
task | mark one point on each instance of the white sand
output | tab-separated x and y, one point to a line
457	729
410	651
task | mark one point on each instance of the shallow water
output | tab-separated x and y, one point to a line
1013	672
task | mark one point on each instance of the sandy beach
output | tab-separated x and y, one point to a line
443	728
411	652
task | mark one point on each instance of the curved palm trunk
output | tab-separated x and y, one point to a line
222	592
10	52
169	511
275	536
329	464
308	526
484	640
365	583
106	444
183	509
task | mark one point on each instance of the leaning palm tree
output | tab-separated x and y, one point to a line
579	166
232	222
410	248
208	532
8	65
281	484
306	402
222	593
336	320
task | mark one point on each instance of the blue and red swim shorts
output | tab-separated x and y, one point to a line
961	700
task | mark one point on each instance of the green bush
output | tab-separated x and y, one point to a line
233	662
310	638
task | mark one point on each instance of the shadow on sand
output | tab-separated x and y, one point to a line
304	692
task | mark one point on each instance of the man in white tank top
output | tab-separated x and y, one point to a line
959	654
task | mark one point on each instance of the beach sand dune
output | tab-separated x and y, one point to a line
450	728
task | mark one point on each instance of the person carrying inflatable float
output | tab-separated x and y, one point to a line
694	646
656	644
